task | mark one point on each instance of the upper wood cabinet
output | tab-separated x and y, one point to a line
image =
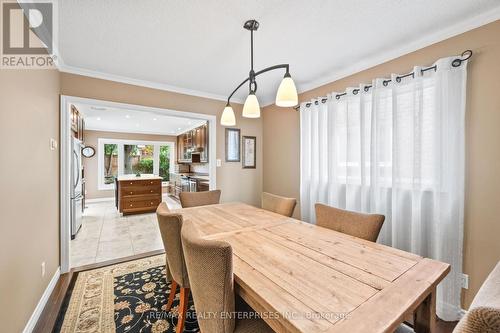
193	141
77	124
201	142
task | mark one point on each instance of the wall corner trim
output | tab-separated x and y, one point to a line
30	325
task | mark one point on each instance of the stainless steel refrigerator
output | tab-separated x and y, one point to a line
76	187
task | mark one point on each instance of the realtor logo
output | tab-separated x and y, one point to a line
27	35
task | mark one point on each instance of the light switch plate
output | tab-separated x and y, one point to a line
53	144
219	162
465	281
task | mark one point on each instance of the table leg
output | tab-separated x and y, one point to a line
425	315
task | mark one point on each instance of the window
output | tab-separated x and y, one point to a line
138	159
110	170
165	162
124	157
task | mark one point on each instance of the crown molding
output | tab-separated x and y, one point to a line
438	36
453	30
142	83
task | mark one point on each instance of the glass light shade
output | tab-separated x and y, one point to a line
251	108
287	93
228	118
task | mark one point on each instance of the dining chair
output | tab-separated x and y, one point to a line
484	312
194	199
210	268
365	226
278	204
170	229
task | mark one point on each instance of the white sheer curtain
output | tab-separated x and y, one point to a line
396	148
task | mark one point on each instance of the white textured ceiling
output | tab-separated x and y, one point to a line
109	119
200	46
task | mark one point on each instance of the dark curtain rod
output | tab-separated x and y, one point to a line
455	63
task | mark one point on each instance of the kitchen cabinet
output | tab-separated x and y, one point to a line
192	142
185	144
203	186
77	124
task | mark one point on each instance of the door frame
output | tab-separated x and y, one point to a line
66	149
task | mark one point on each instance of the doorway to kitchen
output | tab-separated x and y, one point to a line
118	162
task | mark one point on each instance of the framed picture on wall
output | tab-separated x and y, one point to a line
232	144
249	152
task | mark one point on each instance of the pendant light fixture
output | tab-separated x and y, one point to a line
286	95
251	108
228	118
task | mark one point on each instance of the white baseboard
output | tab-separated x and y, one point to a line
99	200
42	302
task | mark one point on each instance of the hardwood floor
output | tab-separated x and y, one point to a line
50	313
103	226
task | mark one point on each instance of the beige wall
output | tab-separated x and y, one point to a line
91	164
237	184
29	195
29	101
482	209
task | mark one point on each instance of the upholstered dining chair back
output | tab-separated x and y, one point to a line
193	199
170	229
484	312
210	268
278	204
366	226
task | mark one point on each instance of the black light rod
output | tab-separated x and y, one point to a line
286	66
251	50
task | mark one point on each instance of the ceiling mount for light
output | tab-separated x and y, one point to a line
286	95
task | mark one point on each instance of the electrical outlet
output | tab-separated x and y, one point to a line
43	269
218	162
465	281
53	144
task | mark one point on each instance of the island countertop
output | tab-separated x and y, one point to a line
141	177
196	175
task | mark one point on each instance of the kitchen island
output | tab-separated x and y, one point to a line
135	195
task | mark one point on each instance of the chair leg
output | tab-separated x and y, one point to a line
182	309
173	290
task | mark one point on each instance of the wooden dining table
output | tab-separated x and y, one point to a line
305	278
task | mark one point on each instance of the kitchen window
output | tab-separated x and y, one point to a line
121	157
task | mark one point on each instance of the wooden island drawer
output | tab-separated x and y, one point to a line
140	204
140	183
139	190
139	195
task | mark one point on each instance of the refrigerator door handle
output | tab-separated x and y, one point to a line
78	171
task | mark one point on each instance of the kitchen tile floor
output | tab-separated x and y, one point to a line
106	234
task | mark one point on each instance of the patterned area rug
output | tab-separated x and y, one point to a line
127	297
